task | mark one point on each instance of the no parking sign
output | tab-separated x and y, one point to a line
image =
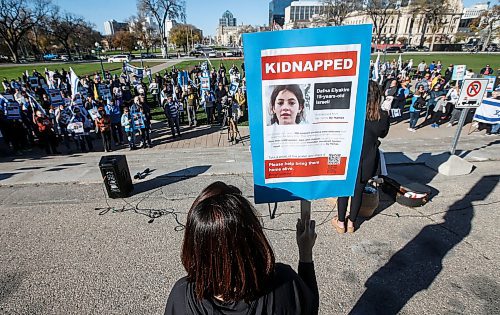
472	93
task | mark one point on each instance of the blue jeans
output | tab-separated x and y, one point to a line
414	119
495	128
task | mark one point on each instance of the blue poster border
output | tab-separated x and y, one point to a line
253	44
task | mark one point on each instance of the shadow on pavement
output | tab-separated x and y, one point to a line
169	178
415	267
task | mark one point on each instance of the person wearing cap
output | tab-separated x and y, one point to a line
103	123
486	70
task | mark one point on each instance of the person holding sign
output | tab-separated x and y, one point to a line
46	134
103	123
287	105
231	266
128	125
376	126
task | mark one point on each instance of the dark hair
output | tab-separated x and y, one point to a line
295	89
225	251
373	101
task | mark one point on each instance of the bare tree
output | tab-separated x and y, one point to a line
379	12
66	28
143	31
17	17
434	16
337	10
163	10
488	24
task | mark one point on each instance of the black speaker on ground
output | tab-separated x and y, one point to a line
116	176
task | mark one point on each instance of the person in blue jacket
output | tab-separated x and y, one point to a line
113	110
128	124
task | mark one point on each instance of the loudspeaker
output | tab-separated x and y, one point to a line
116	176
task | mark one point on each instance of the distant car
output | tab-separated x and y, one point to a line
196	53
119	58
408	48
492	47
148	56
65	58
229	54
49	56
212	54
422	48
393	49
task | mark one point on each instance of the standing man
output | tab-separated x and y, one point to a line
220	93
172	112
422	66
192	103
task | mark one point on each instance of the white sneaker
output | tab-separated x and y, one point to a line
409	129
449	125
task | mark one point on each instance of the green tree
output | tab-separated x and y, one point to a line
184	35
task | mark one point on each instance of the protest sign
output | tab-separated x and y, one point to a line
33	82
458	72
138	72
490	87
12	108
307	93
55	97
233	88
104	92
205	83
76	128
138	120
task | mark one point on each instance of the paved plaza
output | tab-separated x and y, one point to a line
66	248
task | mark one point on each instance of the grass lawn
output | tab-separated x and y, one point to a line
81	69
473	61
228	63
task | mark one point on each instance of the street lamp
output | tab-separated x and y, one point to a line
98	49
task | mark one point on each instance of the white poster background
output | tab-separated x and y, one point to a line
337	123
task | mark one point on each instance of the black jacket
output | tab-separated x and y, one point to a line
370	157
290	294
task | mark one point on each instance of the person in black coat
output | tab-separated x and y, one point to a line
376	126
230	264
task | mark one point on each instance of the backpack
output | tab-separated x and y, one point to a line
419	104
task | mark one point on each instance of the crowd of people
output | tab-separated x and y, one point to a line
58	108
431	91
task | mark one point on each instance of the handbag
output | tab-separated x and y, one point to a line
387	103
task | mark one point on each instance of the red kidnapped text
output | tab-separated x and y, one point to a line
329	64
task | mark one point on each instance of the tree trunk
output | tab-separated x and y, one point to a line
488	37
432	41
68	51
422	38
13	51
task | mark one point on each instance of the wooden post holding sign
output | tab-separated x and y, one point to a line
471	96
307	92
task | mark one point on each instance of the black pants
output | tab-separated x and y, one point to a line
106	140
146	139
116	129
210	114
48	141
355	201
174	125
